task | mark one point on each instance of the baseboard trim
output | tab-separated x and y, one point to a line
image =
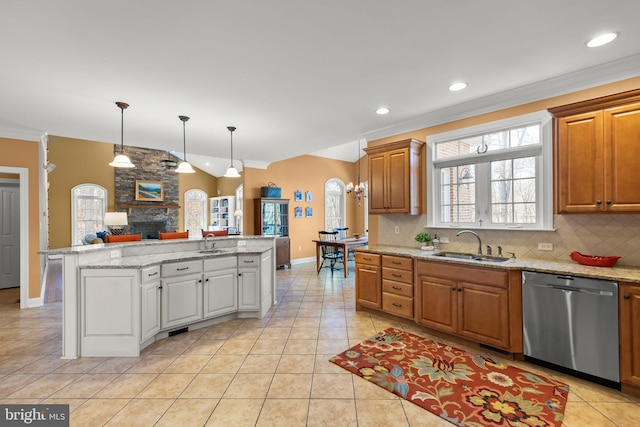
34	302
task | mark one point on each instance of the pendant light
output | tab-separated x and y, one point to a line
184	166
121	160
232	172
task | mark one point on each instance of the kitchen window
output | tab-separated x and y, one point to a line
195	211
493	176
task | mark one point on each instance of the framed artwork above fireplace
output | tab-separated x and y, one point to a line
149	191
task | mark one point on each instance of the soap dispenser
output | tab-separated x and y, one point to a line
435	242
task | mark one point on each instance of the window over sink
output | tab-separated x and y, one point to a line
496	175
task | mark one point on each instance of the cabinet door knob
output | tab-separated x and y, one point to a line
453	289
598	202
459	289
608	202
627	297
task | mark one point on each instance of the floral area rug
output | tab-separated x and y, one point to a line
463	388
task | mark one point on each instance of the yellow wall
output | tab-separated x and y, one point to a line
227	186
24	154
81	161
304	173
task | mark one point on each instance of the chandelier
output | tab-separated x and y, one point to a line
356	190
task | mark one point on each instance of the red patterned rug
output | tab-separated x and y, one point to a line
463	388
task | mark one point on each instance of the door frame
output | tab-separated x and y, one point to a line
23	174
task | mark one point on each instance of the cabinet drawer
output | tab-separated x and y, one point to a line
220	263
397	275
178	268
149	274
248	261
398	262
366	258
397	288
397	304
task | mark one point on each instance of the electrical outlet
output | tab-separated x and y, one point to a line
444	240
115	254
397	229
545	246
242	243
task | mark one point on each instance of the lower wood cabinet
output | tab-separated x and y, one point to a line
629	334
368	280
481	304
397	286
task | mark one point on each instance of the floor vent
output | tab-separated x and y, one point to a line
178	331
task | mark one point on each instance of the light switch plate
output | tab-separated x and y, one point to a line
397	229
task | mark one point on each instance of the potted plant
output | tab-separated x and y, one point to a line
424	238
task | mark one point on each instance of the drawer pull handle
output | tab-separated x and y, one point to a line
366	258
248	262
396	288
182	268
396	262
396	304
396	275
152	274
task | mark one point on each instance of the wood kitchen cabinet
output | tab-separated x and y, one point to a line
597	144
368	280
397	286
477	303
395	177
629	334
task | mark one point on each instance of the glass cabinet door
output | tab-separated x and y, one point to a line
268	219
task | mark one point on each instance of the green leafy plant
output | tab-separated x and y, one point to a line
423	237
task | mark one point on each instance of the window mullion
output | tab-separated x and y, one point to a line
483	195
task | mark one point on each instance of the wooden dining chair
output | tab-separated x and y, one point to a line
330	253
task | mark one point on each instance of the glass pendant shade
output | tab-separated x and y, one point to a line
121	160
184	166
232	172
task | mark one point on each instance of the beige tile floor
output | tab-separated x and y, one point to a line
268	372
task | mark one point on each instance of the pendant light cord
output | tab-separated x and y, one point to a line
184	135
231	129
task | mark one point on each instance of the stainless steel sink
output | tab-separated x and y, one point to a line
212	251
474	257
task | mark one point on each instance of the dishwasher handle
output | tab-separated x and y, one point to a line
597	292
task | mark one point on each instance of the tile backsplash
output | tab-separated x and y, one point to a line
602	235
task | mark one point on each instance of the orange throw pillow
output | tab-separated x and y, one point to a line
174	235
123	238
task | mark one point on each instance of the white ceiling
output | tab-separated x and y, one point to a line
294	76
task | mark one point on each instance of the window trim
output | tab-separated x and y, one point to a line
544	169
343	202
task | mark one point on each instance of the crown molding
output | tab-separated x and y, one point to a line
597	75
23	134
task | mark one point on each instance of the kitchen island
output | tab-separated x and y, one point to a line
119	298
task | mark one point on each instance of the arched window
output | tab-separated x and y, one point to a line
88	205
195	211
334	204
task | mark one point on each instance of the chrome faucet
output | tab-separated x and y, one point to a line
213	244
477	237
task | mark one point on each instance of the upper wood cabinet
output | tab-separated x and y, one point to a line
597	147
395	177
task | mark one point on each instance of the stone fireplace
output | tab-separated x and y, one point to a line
148	218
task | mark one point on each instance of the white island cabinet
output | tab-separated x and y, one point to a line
119	298
220	288
109	312
150	303
181	293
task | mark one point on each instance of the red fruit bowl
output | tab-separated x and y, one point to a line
593	260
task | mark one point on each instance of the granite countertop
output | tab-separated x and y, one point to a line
621	274
150	260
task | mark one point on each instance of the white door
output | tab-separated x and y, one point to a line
9	235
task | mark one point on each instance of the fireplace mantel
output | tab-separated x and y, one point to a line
147	206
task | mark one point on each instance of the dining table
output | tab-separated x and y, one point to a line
344	245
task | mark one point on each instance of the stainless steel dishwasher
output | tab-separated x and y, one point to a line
572	322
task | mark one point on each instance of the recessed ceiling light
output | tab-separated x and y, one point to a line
382	111
602	39
457	86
